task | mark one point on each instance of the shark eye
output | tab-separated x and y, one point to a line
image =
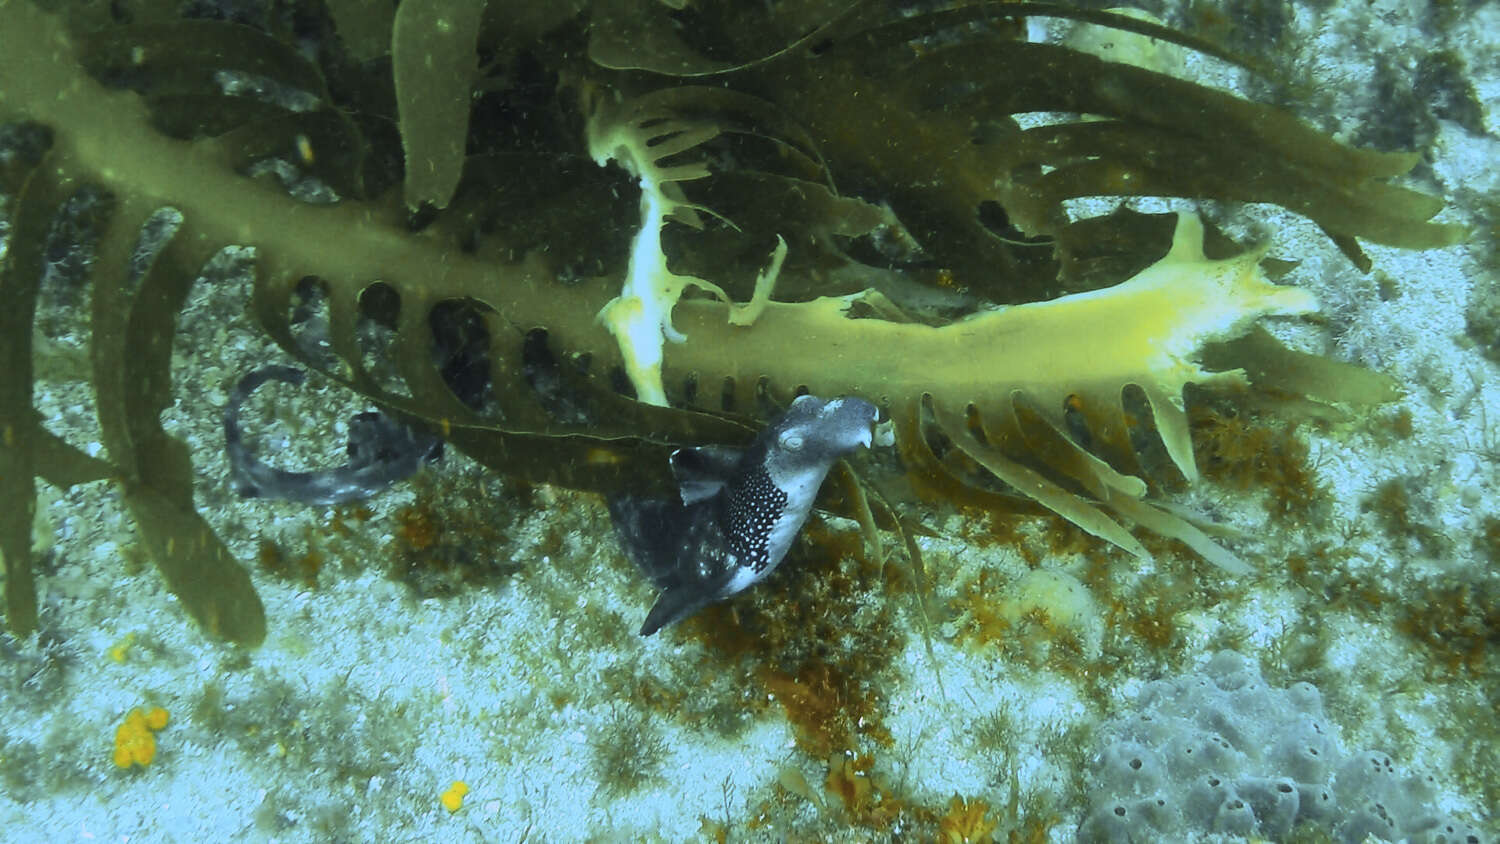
791	441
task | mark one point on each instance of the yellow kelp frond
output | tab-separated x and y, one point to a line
1012	388
642	134
1080	351
647	136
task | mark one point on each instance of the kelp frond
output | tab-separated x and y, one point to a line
888	153
132	322
1001	384
24	183
434	62
946	89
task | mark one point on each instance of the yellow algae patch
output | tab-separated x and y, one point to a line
1041	606
1066	604
121	649
1132	48
135	739
453	798
156	718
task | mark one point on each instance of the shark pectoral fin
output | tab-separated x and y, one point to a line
650	530
673	605
702	472
694	491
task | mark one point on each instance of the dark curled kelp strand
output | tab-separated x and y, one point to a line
381	452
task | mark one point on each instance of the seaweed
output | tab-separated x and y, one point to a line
464	245
433	60
132	326
20	277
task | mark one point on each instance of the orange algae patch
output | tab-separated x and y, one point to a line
1239	450
866	800
967	822
135	739
1458	623
820	649
825	707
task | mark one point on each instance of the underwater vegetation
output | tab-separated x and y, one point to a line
569	240
459	256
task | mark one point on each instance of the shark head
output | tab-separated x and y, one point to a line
813	434
738	511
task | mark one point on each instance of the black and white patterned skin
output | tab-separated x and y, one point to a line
738	512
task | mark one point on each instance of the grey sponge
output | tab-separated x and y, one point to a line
1221	751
